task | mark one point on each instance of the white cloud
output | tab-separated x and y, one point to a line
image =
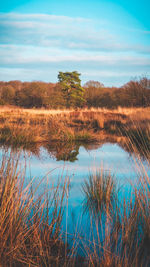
36	44
14	54
61	31
43	17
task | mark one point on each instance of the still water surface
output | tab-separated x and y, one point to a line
110	157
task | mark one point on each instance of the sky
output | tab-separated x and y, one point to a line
105	41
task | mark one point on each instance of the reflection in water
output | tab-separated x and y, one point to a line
100	196
134	142
64	151
70	151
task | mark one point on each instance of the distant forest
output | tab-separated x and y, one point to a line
135	93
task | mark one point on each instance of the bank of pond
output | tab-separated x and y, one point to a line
74	204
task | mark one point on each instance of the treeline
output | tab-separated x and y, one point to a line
31	94
132	94
49	95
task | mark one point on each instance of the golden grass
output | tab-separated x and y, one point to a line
29	225
32	127
100	192
122	236
122	110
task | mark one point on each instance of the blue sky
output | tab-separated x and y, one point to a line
106	41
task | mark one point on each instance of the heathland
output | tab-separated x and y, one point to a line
31	128
39	114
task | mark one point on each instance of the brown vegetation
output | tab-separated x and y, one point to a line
122	237
135	93
30	226
27	128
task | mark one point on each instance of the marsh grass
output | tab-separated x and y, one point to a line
100	191
121	227
27	128
29	225
17	136
138	139
122	236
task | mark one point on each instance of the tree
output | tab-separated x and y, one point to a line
8	94
93	84
34	94
145	82
72	91
137	94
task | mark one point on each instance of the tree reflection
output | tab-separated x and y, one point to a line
64	151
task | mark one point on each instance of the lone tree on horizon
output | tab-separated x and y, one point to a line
71	87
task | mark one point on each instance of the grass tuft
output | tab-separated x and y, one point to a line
100	191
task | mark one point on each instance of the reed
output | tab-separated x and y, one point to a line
29	225
138	139
100	191
122	235
27	128
23	126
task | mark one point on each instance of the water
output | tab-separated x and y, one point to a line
109	157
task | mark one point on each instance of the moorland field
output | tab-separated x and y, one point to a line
37	114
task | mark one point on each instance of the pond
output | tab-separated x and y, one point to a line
45	167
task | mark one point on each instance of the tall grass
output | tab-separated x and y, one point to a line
28	128
138	139
29	225
100	191
122	235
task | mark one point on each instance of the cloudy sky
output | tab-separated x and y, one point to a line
106	41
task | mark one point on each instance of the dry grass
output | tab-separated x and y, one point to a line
122	236
100	192
32	127
120	110
29	225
